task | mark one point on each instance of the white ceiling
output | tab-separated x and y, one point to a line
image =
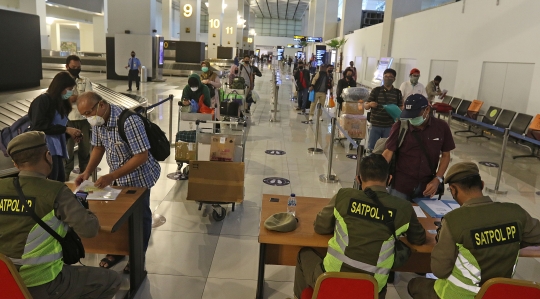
279	9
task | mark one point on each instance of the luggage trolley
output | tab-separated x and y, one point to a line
238	95
219	212
350	117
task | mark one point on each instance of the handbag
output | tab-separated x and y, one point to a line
402	252
72	247
331	102
311	97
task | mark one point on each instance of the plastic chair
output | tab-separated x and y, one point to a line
504	288
331	285
12	285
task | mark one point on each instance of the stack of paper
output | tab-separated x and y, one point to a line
95	193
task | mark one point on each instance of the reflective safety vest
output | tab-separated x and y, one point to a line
488	247
362	242
33	250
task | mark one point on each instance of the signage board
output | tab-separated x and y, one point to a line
312	39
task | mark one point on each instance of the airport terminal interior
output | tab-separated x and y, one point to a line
479	48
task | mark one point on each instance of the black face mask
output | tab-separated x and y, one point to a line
349	77
74	72
300	67
236	72
132	55
330	71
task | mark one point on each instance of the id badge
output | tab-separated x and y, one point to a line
134	66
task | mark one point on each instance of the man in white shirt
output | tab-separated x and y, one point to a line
413	86
73	67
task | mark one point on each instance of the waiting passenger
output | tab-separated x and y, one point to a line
345	82
361	240
49	113
73	66
472	248
433	88
212	81
412	86
195	89
322	83
381	121
130	161
36	254
419	171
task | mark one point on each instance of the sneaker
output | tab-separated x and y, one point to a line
129	89
298	109
137	89
311	119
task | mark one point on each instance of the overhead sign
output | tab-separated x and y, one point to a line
320	55
299	37
280	53
294	46
312	39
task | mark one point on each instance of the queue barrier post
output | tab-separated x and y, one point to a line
359	153
329	177
499	173
315	149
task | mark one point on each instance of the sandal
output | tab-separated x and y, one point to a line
126	268
110	260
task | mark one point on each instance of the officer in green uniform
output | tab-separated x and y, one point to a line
36	254
362	242
472	248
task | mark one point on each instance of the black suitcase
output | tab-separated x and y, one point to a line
229	108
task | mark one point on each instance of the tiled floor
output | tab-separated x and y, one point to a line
192	256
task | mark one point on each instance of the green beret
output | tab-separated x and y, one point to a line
461	171
26	141
281	222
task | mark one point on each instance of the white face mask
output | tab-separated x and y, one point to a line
194	88
96	120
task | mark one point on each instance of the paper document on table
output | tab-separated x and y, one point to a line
438	207
419	212
453	206
94	193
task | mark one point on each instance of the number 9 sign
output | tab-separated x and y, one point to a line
188	10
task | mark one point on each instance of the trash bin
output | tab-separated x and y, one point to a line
144	77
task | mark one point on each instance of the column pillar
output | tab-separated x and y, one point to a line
245	35
319	17
166	19
395	9
215	18
330	22
240	26
190	20
55	37
230	20
251	21
86	36
38	7
99	34
136	16
350	17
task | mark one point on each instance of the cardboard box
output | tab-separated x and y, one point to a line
216	181
222	148
355	125
185	151
352	108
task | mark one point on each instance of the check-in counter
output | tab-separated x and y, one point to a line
14	106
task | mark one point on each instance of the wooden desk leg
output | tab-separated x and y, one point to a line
260	276
136	253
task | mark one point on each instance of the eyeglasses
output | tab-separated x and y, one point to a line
86	114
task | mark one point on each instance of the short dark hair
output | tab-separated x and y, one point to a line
391	71
193	82
438	78
374	168
72	57
347	70
246	56
470	183
329	65
29	156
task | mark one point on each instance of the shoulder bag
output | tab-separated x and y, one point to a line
72	247
401	251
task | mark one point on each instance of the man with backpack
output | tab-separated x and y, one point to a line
381	121
419	172
322	83
131	162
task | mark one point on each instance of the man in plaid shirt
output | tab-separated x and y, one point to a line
131	163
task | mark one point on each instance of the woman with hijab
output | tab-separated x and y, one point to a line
48	113
211	80
346	82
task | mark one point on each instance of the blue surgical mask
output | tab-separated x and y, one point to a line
417	121
204	69
68	94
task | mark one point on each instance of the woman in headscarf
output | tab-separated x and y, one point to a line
211	80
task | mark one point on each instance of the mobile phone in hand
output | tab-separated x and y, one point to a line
81	197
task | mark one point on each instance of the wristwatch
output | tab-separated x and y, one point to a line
441	179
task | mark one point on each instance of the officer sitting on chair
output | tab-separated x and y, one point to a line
362	241
477	242
36	254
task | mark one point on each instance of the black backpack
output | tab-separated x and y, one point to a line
160	147
212	90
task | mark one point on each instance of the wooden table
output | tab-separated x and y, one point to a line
282	248
121	231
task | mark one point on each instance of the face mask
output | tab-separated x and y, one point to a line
132	55
454	196
96	120
74	72
48	163
349	77
204	69
414	80
417	121
194	88
68	94
388	82
246	62
300	67
330	71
